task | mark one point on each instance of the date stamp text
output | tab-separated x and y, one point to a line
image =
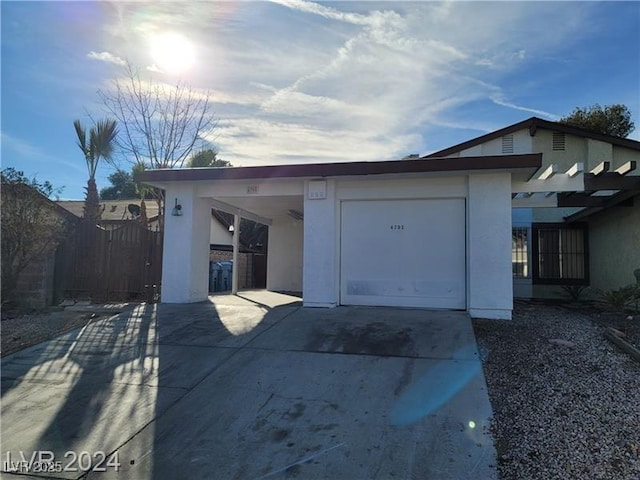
45	461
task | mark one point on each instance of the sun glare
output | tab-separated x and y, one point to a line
172	52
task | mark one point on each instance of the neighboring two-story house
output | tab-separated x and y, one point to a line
561	236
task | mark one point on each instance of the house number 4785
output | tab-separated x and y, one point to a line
397	227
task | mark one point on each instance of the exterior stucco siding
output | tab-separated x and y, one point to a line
622	155
400	188
284	256
614	244
489	246
522	143
553	215
488	198
218	235
185	259
320	273
598	152
575	150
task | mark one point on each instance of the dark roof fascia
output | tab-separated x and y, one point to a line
611	181
313	170
617	199
532	124
482	139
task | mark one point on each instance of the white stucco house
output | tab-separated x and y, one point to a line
432	232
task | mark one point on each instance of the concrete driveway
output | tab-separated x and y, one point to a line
252	387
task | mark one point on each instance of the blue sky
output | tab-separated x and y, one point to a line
299	81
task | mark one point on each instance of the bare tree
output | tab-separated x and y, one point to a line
159	124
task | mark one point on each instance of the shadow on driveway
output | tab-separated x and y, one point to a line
255	387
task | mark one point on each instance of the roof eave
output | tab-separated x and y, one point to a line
324	170
532	124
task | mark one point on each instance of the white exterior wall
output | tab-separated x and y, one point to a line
474	151
321	263
488	235
315	242
218	234
401	188
284	255
598	151
186	243
490	283
522	143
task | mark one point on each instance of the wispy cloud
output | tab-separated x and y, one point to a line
21	147
106	57
305	80
154	69
505	60
296	79
326	12
16	150
499	100
247	141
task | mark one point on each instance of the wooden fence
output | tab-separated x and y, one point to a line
124	264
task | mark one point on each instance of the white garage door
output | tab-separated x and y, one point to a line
403	253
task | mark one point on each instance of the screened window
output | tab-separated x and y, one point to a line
520	252
560	254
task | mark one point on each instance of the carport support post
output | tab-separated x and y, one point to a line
185	259
236	246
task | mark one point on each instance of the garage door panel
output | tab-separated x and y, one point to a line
403	253
441	289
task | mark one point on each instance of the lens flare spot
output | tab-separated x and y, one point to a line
472	424
435	388
171	52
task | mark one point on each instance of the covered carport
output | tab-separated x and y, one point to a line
430	233
275	203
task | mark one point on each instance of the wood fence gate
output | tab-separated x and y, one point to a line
119	265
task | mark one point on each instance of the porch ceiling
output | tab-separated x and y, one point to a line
266	206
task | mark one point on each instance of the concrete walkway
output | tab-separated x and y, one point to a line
254	387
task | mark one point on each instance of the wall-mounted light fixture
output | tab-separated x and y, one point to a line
231	228
177	210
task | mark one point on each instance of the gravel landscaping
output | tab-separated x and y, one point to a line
562	411
21	331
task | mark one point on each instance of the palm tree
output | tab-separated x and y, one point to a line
98	145
144	191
